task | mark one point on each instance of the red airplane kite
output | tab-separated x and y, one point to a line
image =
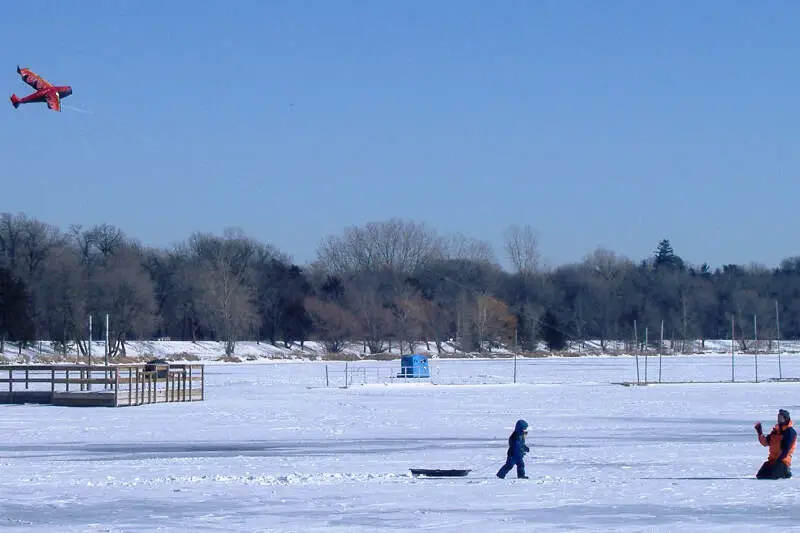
45	91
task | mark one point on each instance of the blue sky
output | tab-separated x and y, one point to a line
610	124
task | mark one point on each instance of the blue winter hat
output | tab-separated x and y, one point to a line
521	426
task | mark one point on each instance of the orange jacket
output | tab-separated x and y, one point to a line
780	437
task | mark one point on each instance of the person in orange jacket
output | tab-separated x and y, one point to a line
781	442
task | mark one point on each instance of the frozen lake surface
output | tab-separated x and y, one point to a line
272	449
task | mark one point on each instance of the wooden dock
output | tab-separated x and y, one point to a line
100	385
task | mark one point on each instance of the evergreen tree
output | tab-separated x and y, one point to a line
665	256
15	321
552	333
664	253
332	289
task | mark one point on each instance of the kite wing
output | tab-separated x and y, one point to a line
54	102
33	79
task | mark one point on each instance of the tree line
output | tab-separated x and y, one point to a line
392	282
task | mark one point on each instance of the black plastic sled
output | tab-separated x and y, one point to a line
438	472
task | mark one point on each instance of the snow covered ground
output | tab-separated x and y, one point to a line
272	449
251	351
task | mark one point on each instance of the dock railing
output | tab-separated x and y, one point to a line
113	385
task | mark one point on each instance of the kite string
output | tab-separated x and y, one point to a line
121	129
78	109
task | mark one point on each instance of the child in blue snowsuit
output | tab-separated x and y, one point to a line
516	451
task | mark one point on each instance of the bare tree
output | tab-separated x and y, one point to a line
397	245
333	324
435	324
26	245
409	317
749	309
459	246
228	303
11	236
227	296
97	243
63	297
464	320
107	239
605	276
494	322
124	290
180	310
375	320
522	247
703	307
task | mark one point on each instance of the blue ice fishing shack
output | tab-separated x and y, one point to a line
414	366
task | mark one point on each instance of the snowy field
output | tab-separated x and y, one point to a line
251	351
273	449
